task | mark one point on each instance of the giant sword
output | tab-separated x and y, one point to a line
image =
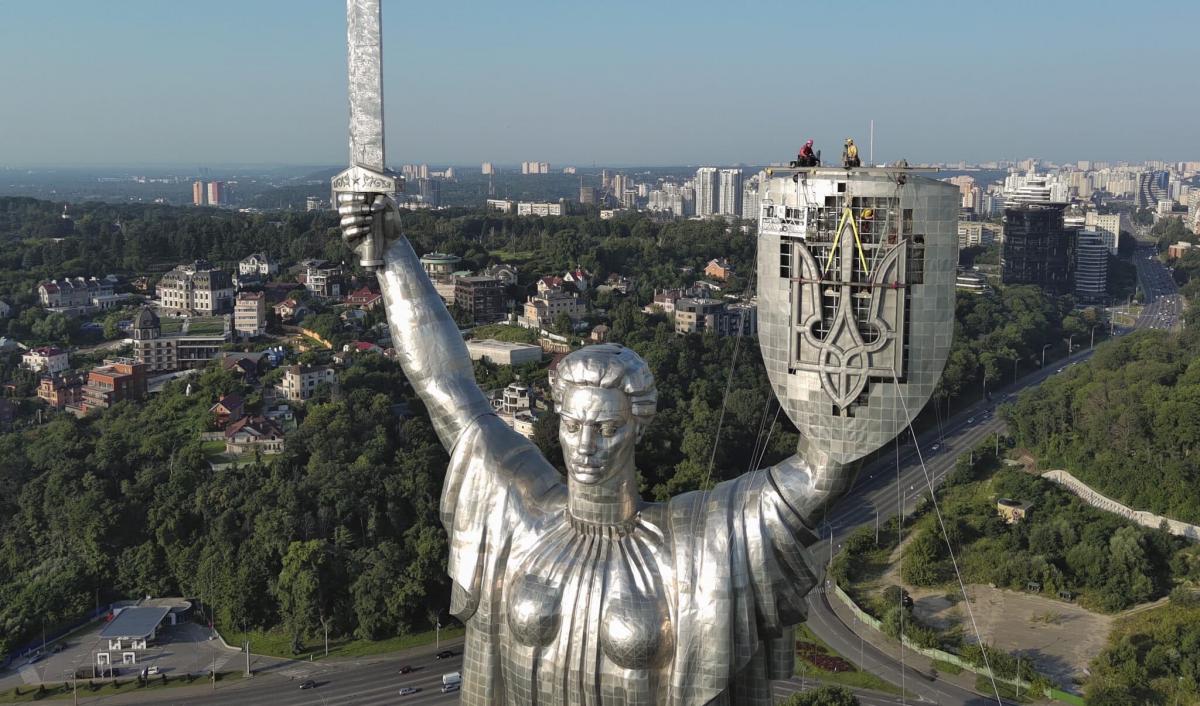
367	173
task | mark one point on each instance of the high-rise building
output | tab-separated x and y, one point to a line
729	198
1034	188
1108	225
1091	266
197	193
487	168
707	191
1152	187
1037	248
216	193
430	191
587	194
314	203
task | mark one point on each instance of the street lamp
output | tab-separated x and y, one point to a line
1044	353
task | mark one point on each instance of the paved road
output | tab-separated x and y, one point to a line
877	496
1164	304
368	682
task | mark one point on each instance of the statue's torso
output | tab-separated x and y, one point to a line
588	615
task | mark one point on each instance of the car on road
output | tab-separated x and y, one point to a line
1060	370
447	688
408	691
405	669
308	684
970	420
59	647
444	654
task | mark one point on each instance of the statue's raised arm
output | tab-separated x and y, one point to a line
426	339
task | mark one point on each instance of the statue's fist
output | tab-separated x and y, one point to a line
359	211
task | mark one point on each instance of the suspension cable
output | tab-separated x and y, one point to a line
949	547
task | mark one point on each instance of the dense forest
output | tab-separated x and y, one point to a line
1151	658
1127	424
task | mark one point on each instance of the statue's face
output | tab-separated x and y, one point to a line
598	433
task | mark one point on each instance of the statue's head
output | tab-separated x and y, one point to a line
605	398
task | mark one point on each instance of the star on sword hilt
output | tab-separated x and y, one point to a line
358	180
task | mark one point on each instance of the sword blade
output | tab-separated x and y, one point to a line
364	42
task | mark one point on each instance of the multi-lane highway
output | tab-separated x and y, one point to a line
881	490
1163	303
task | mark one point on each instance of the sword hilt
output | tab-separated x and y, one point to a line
358	179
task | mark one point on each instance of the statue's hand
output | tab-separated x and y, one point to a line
369	222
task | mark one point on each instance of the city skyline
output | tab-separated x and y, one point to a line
265	84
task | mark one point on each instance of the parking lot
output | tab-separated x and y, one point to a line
176	650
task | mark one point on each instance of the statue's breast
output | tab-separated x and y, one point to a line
552	598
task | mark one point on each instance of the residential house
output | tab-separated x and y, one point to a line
46	359
243	365
289	310
180	344
300	381
578	278
322	278
364	298
718	268
60	390
117	380
250	434
599	334
616	283
77	293
502	271
697	315
229	408
482	298
250	314
550	283
515	407
542	311
258	264
282	415
197	288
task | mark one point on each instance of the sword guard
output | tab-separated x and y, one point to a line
359	179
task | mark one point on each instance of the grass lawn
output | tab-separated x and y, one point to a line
216	447
947	667
517	256
277	643
984	686
104	687
501	332
855	678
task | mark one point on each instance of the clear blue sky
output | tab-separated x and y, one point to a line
212	82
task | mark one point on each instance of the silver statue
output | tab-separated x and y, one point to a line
580	592
575	591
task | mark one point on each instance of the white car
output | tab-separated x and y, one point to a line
970	420
407	691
